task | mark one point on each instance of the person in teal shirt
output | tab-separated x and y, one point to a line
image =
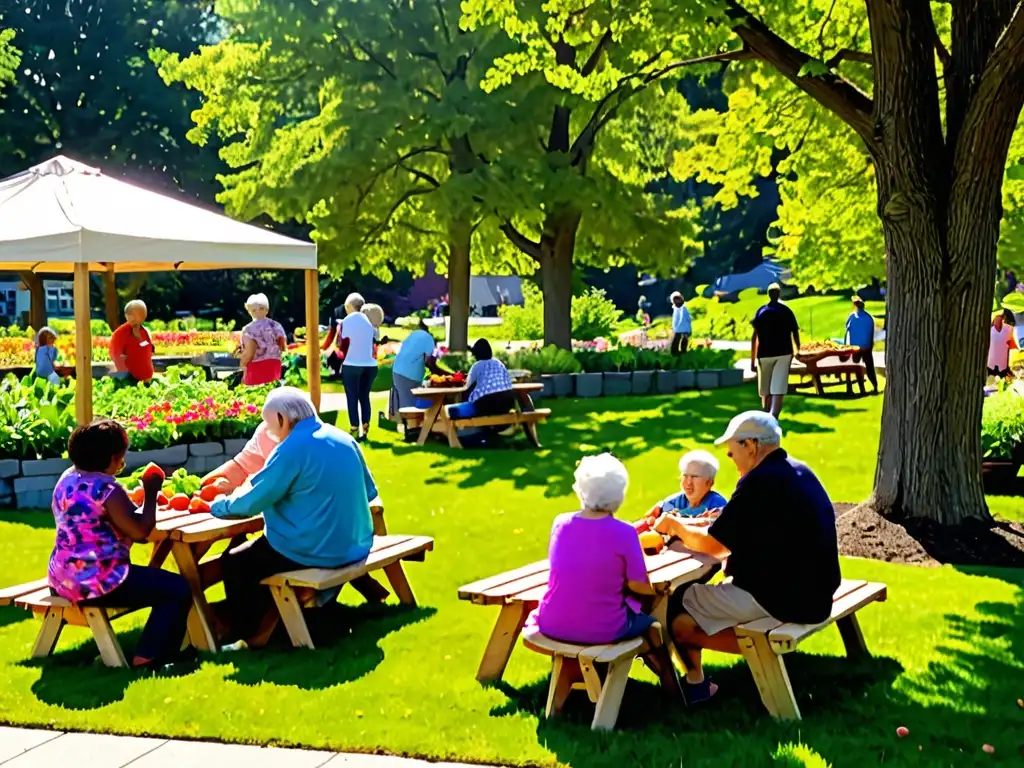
414	357
860	332
313	492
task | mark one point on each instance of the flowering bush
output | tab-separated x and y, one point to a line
20	351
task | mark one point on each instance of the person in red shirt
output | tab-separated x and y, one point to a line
131	348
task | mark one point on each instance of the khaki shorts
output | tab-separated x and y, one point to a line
721	606
773	375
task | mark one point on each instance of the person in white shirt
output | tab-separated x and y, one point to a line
359	368
682	325
1000	342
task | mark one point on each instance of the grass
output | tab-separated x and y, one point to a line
948	644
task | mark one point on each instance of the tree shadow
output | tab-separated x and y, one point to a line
33	518
12	615
624	426
347	640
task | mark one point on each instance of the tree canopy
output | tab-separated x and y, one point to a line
9	56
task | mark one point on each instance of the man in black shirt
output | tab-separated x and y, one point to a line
779	534
771	349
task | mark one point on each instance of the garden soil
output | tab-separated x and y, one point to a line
865	533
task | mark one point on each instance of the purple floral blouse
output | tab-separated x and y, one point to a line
265	332
90	557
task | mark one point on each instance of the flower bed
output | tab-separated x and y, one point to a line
20	351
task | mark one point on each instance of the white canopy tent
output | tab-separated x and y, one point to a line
65	217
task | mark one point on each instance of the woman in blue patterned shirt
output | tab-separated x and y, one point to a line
489	386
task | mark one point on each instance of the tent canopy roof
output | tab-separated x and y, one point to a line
61	213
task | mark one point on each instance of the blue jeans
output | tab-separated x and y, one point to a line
462	410
358	380
171	599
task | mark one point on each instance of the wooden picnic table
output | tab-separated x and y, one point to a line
188	537
436	418
821	363
519	591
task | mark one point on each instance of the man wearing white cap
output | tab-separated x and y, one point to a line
682	325
771	349
779	534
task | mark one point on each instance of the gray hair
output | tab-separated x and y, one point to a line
354	302
601	483
707	463
290	403
134	304
374	313
258	301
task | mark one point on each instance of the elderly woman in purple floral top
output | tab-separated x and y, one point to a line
96	525
263	341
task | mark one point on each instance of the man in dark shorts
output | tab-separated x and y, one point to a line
779	534
771	349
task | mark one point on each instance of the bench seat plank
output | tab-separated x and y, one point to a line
8	594
786	637
386	550
493	584
510	418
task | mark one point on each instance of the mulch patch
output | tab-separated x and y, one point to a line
864	533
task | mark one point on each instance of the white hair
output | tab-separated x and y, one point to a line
291	403
374	313
258	301
601	483
354	302
707	463
135	304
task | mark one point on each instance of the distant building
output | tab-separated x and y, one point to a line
486	293
15	300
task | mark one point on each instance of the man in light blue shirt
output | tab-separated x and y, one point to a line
682	325
860	332
313	493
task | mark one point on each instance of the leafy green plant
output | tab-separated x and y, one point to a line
593	315
524	323
549	360
623	359
1002	425
706	359
36	418
594	362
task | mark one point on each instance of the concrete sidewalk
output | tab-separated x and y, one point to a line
25	748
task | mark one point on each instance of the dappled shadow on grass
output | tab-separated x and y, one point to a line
34	518
347	643
11	615
624	426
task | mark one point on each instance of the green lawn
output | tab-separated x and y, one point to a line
949	643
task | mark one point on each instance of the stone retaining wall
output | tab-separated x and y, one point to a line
29	484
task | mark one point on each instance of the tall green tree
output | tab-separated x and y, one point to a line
364	120
898	117
9	56
598	117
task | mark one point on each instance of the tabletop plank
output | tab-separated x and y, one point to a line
481	586
437	392
210	528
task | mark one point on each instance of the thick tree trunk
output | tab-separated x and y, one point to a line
112	306
37	297
460	235
557	250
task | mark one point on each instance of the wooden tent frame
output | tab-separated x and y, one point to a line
83	338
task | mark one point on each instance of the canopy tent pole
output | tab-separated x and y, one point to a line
313	335
83	346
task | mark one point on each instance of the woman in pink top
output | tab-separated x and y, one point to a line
597	570
263	341
1000	342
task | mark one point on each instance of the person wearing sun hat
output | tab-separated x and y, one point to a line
778	532
776	335
860	332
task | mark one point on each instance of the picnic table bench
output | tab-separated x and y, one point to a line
817	365
188	538
437	418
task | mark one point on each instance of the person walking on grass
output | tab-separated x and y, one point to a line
359	365
682	325
860	333
776	335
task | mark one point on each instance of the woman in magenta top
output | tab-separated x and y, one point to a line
597	569
263	341
96	525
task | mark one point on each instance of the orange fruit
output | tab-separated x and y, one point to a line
179	502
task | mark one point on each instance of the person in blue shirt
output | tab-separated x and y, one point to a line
860	332
697	472
313	493
682	326
416	355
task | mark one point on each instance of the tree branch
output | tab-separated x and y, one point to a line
595	58
521	241
421	175
444	21
848	54
377	61
402	200
835	93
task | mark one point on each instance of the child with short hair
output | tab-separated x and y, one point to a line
597	568
46	355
